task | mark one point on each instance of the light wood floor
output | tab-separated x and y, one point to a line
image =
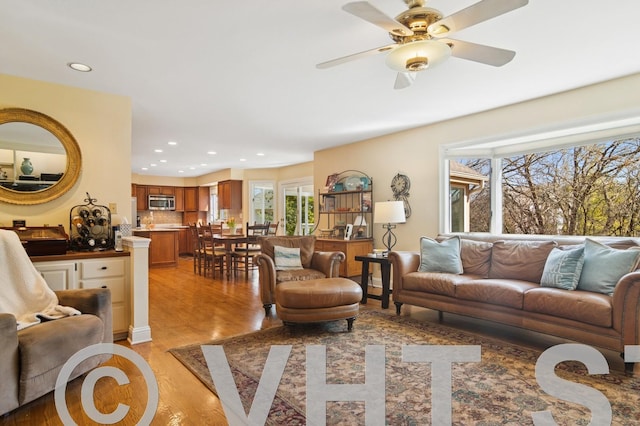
185	309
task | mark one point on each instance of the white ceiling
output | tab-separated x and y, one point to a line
239	77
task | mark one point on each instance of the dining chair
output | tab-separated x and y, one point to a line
198	252
273	228
214	254
244	253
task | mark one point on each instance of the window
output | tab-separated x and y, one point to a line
581	190
262	205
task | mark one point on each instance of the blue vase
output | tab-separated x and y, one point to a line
26	167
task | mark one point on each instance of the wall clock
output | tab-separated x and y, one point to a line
400	185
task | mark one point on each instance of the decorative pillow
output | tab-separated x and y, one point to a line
476	257
519	260
440	257
604	266
287	258
562	269
305	243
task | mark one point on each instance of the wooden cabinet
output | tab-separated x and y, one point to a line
184	242
141	198
230	194
204	197
160	190
94	271
351	248
191	199
163	248
179	193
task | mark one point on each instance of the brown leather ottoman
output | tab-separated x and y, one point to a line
325	299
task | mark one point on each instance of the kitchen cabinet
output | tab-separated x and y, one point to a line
184	242
351	248
230	194
94	270
191	199
141	198
204	196
179	194
163	248
160	190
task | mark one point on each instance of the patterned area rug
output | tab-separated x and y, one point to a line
501	389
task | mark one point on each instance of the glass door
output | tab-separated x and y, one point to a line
297	207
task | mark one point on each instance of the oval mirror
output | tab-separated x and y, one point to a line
39	158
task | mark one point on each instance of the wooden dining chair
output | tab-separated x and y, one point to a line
273	228
214	254
198	252
244	253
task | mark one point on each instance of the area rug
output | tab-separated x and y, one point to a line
500	389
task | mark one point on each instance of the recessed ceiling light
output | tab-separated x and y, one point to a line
157	150
173	143
79	67
211	152
163	161
203	164
180	171
192	168
260	154
145	168
153	165
243	159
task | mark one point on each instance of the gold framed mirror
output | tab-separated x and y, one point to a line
16	188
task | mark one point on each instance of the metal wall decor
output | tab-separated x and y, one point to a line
400	185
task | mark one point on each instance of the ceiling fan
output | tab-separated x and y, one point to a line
420	36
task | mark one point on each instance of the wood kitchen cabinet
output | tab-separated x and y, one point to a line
179	194
141	198
204	195
351	248
163	248
160	190
191	199
230	194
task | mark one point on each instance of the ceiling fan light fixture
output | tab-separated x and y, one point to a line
418	56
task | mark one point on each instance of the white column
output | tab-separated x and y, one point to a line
139	329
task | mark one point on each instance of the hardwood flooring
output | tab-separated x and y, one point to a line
184	309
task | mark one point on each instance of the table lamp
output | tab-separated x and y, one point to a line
389	213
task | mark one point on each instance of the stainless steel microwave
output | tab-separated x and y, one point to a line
162	202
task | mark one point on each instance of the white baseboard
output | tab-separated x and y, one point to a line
139	335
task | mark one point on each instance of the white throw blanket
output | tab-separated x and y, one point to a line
23	291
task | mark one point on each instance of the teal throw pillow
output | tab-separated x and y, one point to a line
604	266
562	268
287	258
440	257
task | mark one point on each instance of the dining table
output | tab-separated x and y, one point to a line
230	241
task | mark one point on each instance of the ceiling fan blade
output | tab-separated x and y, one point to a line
369	13
472	15
404	80
342	60
479	52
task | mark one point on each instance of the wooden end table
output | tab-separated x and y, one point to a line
385	269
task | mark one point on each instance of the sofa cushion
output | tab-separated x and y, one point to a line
286	258
44	348
476	257
435	282
440	256
495	291
562	269
604	266
583	306
306	243
519	260
298	275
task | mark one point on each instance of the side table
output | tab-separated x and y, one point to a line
385	269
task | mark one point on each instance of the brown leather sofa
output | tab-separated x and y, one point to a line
591	318
315	264
30	359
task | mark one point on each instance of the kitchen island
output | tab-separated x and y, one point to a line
163	249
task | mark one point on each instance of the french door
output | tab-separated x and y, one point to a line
297	211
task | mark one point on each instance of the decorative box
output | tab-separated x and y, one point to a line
43	240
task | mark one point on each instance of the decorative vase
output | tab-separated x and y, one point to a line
26	167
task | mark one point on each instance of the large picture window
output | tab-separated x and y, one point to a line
581	190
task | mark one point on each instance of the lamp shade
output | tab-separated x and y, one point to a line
359	221
418	55
389	212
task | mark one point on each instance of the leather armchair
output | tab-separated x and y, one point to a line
316	264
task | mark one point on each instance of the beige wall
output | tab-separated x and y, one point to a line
101	124
416	152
